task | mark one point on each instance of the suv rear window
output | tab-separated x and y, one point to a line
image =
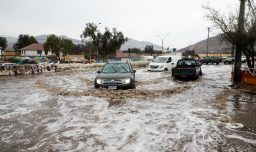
186	63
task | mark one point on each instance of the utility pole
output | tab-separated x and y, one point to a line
129	51
162	46
162	40
90	54
239	45
207	47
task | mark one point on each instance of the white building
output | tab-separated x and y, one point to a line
34	50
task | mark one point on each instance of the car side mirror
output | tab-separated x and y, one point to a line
133	71
98	71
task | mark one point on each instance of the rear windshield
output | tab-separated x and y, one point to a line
116	68
186	63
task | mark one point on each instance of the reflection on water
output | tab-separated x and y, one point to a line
244	110
236	103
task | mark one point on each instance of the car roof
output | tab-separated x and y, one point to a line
187	59
165	56
119	62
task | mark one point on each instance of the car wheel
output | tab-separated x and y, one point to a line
133	86
165	69
196	77
96	86
200	73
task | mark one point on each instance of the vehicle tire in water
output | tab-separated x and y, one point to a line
200	73
165	69
133	86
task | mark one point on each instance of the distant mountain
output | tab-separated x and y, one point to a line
43	38
216	45
131	43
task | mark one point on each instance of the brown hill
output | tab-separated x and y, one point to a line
216	45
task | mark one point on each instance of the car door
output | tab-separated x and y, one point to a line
170	63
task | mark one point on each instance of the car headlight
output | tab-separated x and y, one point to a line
161	66
126	81
99	81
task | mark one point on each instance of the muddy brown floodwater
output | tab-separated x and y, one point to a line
63	112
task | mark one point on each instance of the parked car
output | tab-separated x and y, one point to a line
8	64
164	63
53	63
116	75
28	61
211	60
229	60
187	68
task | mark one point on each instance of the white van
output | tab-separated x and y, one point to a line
164	63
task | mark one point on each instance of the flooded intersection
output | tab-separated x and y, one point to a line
63	112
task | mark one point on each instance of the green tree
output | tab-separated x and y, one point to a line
79	49
66	46
23	41
58	46
105	43
3	43
149	49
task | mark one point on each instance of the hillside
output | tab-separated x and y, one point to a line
216	45
131	43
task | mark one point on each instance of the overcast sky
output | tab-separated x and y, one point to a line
139	19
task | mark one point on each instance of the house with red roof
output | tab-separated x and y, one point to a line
34	50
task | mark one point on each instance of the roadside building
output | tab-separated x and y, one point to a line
34	50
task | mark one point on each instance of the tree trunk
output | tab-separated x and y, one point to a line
253	54
239	45
58	57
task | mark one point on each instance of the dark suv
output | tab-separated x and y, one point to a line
212	60
116	75
229	60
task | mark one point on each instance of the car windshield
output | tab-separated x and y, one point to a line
160	60
186	63
116	68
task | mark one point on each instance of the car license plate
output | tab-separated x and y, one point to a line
112	87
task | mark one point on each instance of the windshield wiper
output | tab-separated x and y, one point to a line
113	69
124	68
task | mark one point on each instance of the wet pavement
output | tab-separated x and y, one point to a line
63	112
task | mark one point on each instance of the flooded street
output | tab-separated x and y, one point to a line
63	112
